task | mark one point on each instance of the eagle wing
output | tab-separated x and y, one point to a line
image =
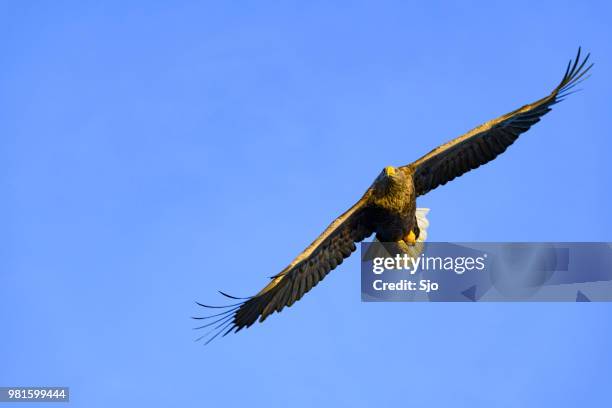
490	139
326	252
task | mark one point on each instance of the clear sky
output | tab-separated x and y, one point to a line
154	152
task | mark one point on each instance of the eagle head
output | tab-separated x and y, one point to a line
388	178
389	171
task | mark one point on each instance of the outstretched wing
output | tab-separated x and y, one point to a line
305	271
487	141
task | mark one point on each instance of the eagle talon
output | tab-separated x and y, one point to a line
410	239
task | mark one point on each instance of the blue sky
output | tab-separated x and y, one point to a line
154	152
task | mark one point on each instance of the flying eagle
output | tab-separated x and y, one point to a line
388	209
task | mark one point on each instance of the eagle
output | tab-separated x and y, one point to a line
388	209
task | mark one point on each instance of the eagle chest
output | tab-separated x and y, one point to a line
396	215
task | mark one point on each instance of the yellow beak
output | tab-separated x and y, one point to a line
389	170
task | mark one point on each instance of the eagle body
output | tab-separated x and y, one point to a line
393	205
388	208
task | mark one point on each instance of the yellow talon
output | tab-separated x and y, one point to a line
411	238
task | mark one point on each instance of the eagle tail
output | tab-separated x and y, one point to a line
423	223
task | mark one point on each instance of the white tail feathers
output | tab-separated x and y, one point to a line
423	222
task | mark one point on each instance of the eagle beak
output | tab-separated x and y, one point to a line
389	170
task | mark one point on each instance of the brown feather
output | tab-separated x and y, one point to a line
487	141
